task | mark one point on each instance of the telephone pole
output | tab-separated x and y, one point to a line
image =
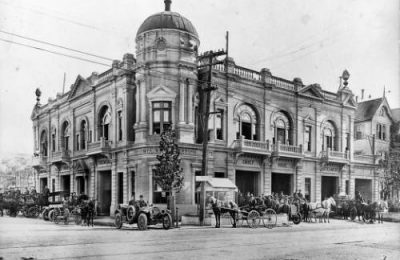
206	100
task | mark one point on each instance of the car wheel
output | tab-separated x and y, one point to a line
142	221
167	221
130	214
45	215
118	220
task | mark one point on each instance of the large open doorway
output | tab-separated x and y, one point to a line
365	188
329	186
43	184
104	193
282	183
247	181
65	183
80	184
120	187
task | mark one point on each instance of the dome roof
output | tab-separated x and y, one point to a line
167	20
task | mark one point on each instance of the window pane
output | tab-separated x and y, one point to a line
156	104
166	116
156	116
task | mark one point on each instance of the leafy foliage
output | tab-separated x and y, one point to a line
169	174
390	178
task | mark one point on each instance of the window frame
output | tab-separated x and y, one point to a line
162	109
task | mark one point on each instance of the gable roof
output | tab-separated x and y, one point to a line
367	109
313	90
81	85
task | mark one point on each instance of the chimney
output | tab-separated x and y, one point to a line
167	5
362	94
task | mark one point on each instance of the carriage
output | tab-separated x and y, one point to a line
142	216
252	215
31	207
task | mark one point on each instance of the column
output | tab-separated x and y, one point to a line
299	178
125	187
181	102
142	102
72	182
190	104
129	181
267	177
138	102
317	188
114	190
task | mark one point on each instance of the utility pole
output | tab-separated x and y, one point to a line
205	113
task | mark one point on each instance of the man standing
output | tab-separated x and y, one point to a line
216	210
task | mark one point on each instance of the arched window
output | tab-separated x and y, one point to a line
53	140
43	143
282	128
65	136
246	123
83	135
104	122
329	136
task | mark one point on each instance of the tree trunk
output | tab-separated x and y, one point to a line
171	202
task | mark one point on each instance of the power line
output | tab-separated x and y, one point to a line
55	45
53	52
152	70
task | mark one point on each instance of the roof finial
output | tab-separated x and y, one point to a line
384	90
167	5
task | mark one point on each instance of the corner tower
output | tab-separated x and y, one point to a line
166	51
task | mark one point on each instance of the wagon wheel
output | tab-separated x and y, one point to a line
296	218
32	212
353	213
366	216
253	219
269	218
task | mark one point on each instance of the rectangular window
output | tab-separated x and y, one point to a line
383	132
159	196
347	142
347	187
66	143
307	189
219	122
90	136
219	174
53	142
77	142
83	140
161	116
120	125
307	138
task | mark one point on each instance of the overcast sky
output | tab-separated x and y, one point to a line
314	40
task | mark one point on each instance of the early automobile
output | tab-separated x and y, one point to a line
142	216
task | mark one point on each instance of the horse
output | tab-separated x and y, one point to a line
327	204
343	209
90	212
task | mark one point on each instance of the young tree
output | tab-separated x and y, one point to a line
168	173
390	178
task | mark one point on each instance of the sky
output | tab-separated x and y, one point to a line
311	39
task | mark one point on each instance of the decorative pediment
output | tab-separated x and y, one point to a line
161	93
349	101
313	91
80	86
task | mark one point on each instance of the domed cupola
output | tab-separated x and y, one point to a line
166	36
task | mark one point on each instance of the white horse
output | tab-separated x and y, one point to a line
323	210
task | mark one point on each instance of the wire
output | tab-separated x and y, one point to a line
55	45
152	70
53	52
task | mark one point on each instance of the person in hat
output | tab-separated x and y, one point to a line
142	203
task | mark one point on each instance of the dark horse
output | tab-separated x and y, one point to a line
88	212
